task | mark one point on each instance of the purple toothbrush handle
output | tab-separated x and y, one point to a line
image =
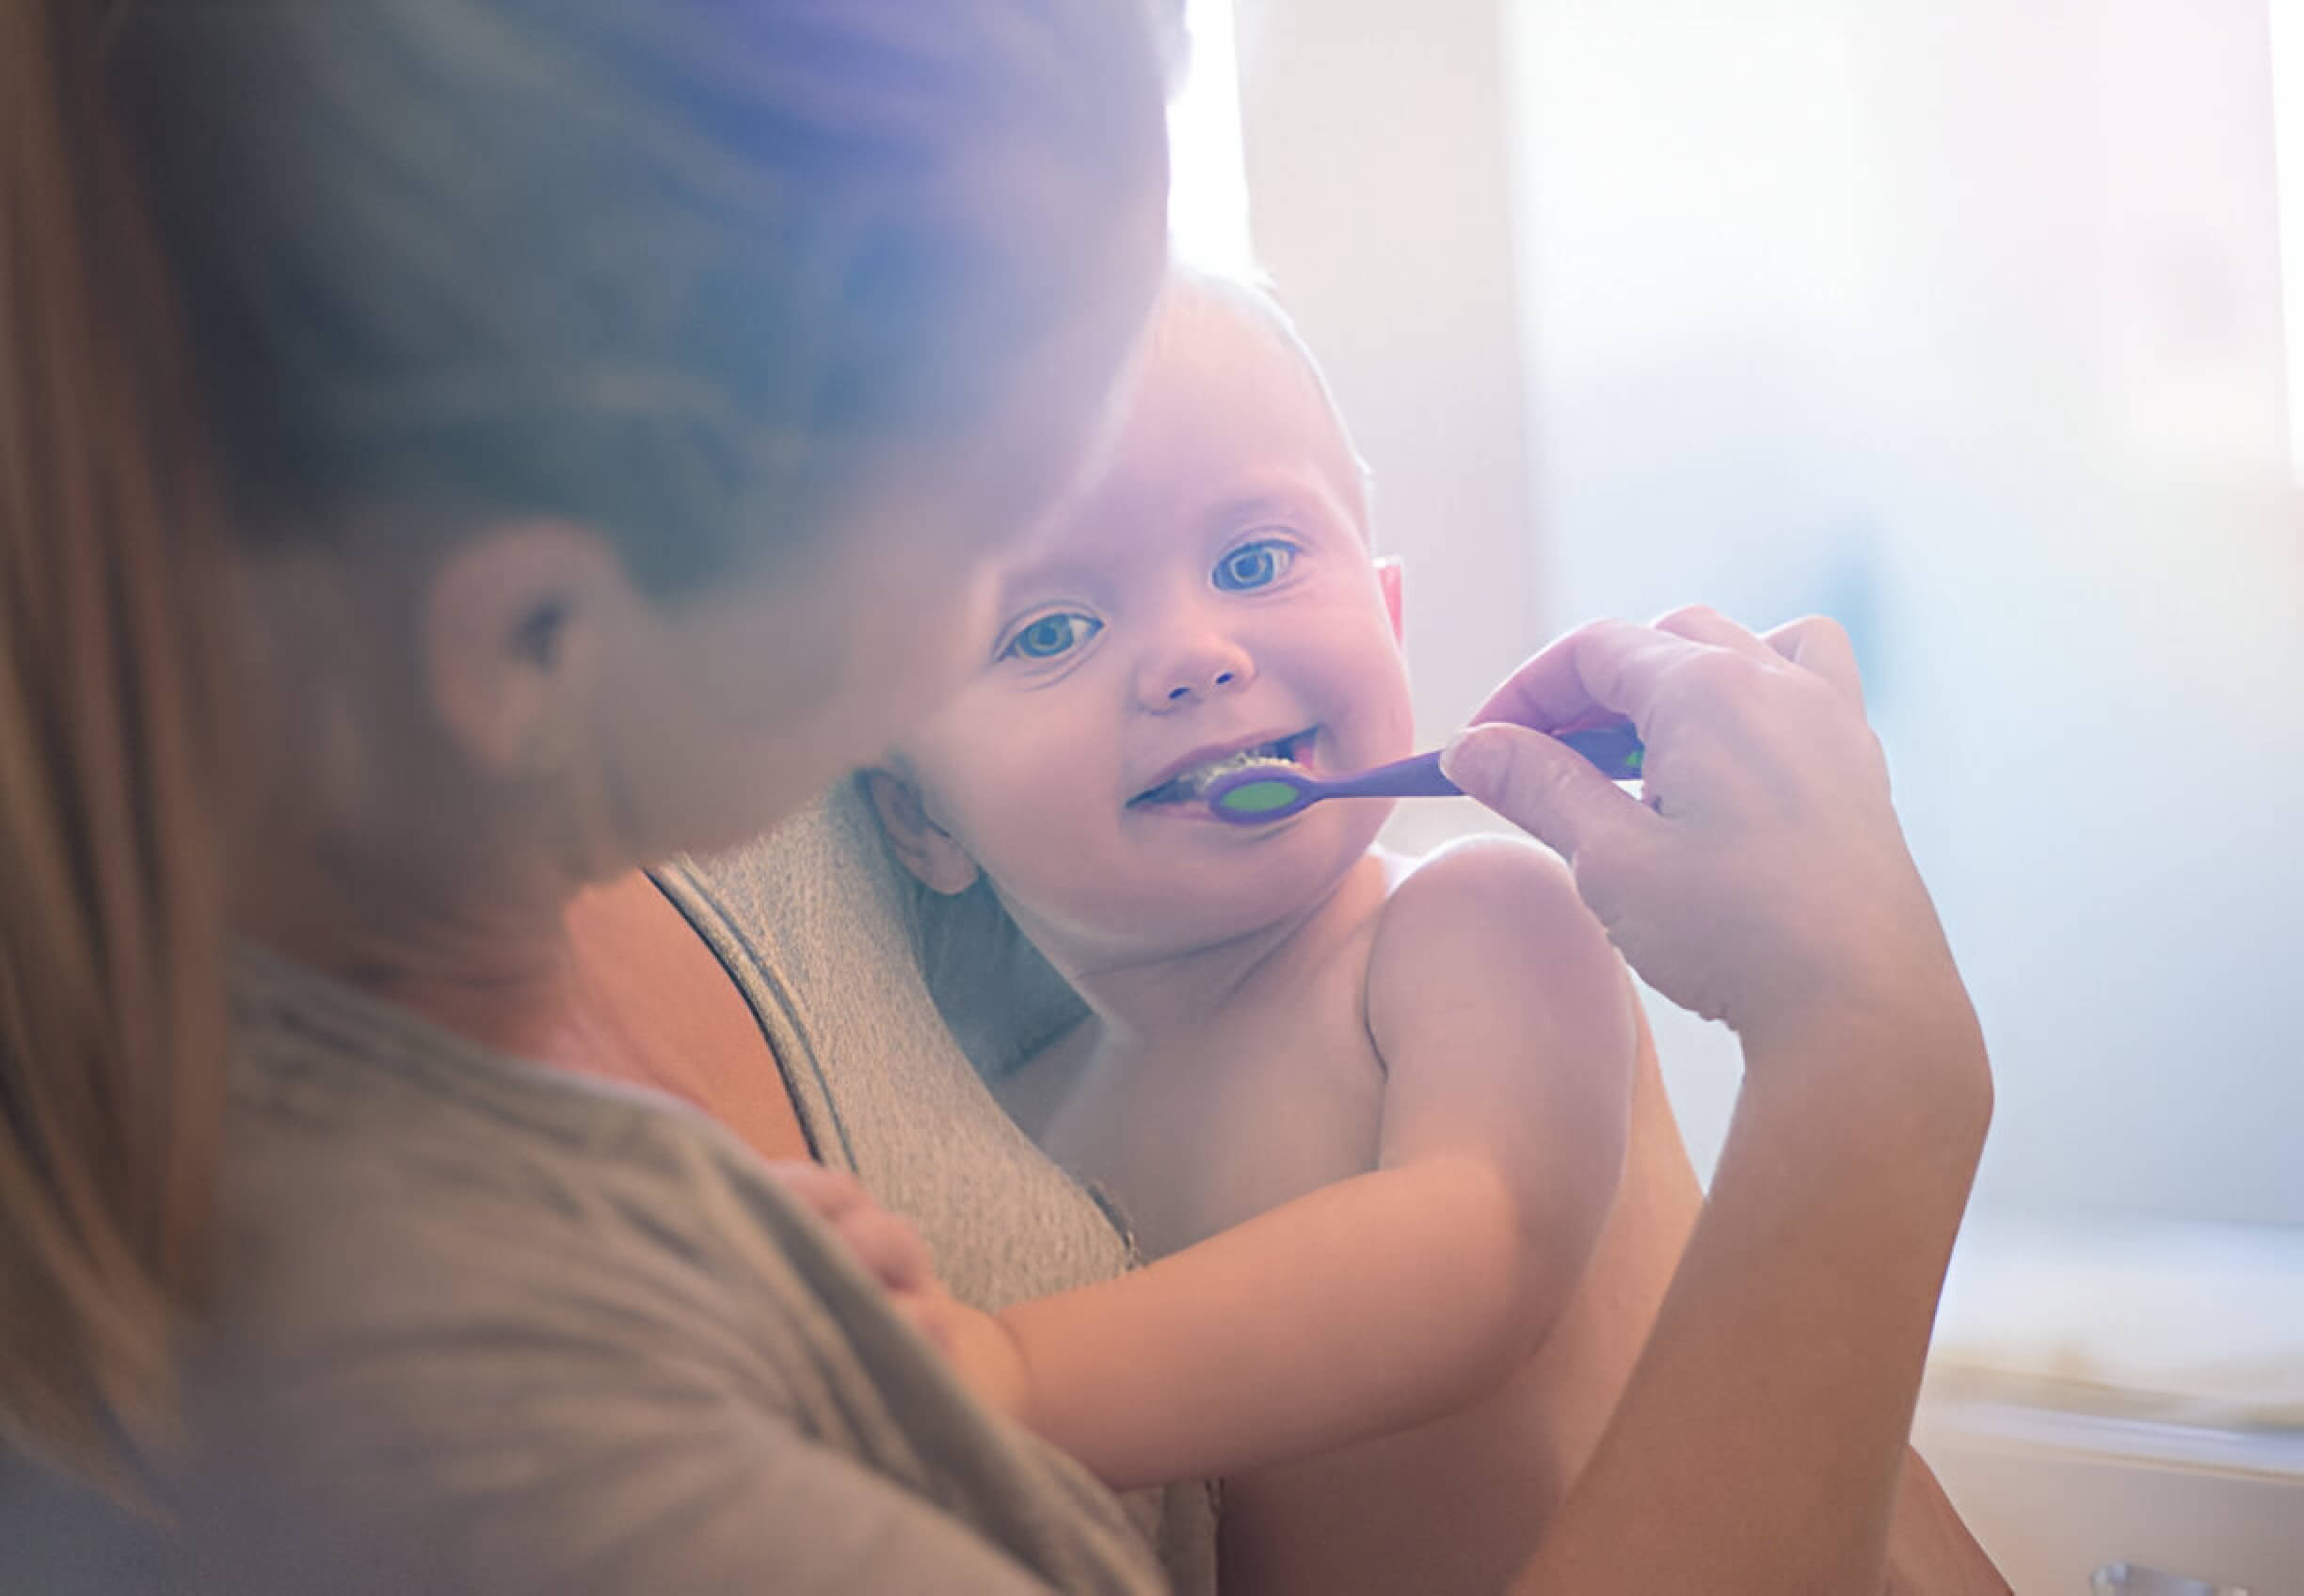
1418	776
1615	749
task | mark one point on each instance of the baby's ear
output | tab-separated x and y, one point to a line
1388	580
920	844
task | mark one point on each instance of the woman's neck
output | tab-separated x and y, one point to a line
497	970
362	847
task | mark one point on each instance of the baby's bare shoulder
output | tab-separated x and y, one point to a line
1499	883
1493	922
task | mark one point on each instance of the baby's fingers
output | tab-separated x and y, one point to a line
889	1247
828	1192
884	1243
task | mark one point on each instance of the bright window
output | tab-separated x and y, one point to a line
1207	201
2288	134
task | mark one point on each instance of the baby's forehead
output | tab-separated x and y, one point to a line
1198	315
1228	420
1226	394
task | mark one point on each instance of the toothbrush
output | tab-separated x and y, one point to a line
1260	794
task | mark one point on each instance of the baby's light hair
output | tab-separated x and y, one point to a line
999	995
1255	302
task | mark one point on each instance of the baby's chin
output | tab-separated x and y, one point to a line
1184	896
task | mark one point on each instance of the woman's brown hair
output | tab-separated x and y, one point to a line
685	272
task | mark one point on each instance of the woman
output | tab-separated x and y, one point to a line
459	450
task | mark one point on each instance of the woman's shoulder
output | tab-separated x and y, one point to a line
476	1315
381	1171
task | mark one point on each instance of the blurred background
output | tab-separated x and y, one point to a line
1978	325
1957	320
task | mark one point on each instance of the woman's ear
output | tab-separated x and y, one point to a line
920	844
1388	579
513	622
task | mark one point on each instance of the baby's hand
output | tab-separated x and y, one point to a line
885	1244
980	1348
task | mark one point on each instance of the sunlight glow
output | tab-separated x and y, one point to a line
2288	140
1208	200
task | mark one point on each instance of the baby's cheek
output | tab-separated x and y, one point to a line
1022	835
1378	728
1063	885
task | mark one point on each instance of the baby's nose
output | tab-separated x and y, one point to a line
1204	683
1201	671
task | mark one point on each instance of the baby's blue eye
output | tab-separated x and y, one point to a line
1254	565
1052	635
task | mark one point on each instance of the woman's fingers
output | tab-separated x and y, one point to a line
1544	787
1813	643
1819	644
1766	876
1606	670
1701	623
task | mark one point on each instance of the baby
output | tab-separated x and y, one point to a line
1367	1115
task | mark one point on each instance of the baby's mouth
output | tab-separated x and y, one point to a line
1186	787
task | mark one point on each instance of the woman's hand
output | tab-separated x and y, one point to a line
978	1345
1765	881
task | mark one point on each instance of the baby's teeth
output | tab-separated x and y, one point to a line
1189	785
1206	774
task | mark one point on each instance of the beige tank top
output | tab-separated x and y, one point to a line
837	952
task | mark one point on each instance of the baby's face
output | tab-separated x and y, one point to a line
1212	592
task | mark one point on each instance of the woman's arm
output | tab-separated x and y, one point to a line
1931	1551
1765	882
1758	1444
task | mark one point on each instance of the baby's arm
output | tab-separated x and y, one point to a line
1506	1027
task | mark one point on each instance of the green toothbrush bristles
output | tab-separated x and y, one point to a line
1259	797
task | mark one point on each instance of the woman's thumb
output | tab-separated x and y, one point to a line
1538	783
